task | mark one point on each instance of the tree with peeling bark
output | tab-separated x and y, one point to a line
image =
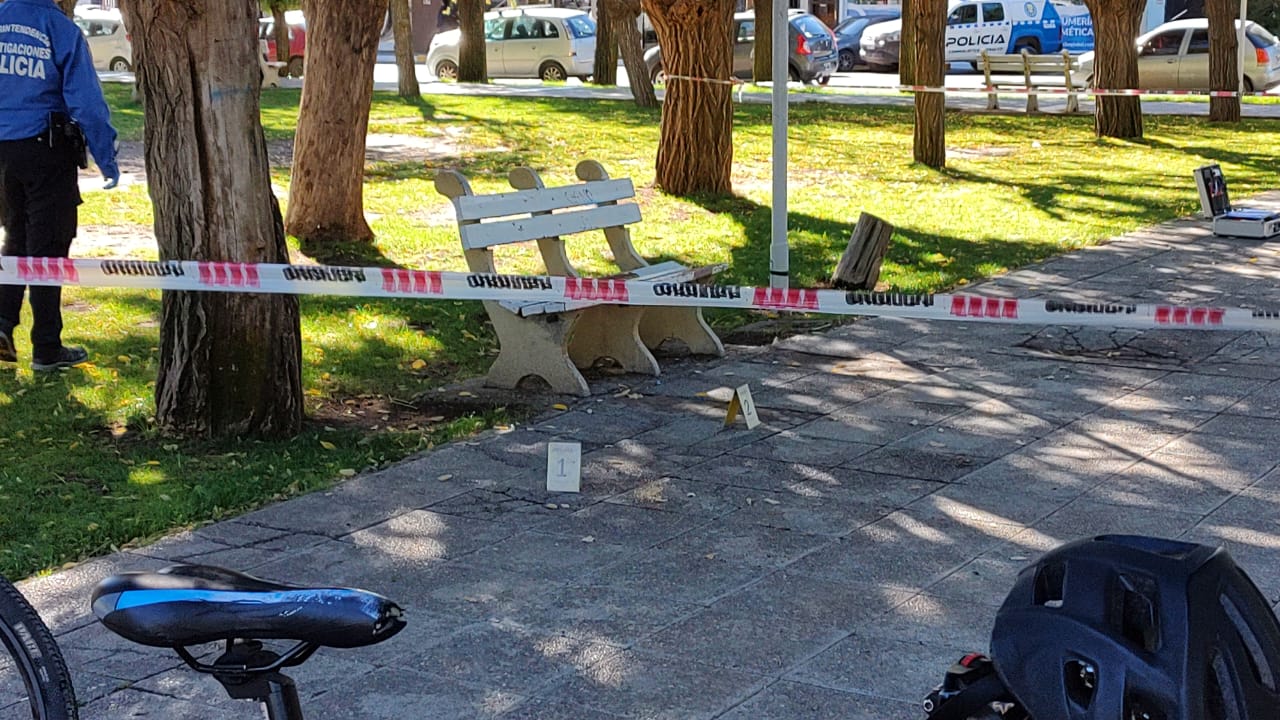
472	60
695	147
907	44
762	47
605	67
402	26
1115	66
929	67
230	363
623	14
326	189
1224	58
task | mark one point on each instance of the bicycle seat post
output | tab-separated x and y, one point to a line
240	672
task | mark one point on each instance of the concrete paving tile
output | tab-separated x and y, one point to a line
181	546
523	509
1015	505
727	376
789	596
508	657
129	703
1201	453
760	474
1157	486
1241	427
62	598
538	554
740	540
904	550
1263	403
673	576
1001	417
939	390
812	509
394	693
706	434
1257	552
631	526
425	536
988	578
638	685
601	613
1190	391
943	439
1060	472
936	621
1085	518
862	427
465	591
96	648
902	406
905	670
627	465
923	464
788	446
554	709
785	699
830	345
673	494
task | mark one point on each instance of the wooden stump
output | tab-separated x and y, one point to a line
859	267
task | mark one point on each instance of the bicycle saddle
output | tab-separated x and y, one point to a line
192	604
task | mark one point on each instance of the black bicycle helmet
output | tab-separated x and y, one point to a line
1122	627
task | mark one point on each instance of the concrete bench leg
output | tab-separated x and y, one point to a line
536	345
614	332
684	324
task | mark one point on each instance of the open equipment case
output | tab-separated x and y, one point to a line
1255	223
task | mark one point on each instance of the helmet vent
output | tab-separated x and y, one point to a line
1248	638
1050	581
1080	679
1137	618
1221	702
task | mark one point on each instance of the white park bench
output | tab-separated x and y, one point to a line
552	340
1032	71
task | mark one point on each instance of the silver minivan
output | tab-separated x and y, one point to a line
527	42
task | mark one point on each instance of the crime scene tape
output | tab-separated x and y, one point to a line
557	293
1007	90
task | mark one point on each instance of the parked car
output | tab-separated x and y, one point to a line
849	34
108	42
295	58
813	55
1175	56
1000	27
525	42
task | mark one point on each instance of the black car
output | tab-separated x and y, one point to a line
849	34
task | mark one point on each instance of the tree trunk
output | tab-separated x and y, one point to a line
230	363
405	66
1115	66
1224	59
907	44
624	14
606	62
326	200
695	149
284	49
472	60
69	7
762	62
929	30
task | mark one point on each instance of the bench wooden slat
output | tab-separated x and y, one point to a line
669	271
518	202
502	232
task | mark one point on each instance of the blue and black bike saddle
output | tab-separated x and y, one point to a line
188	605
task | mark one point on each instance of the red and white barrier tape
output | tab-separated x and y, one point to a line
439	285
1007	90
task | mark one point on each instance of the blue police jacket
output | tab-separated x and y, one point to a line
45	66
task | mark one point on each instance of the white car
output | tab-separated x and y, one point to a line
526	42
108	42
1175	56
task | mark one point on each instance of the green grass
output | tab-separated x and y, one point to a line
83	471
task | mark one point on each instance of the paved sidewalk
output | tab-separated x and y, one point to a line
829	564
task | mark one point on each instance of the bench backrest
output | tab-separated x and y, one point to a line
1026	64
542	214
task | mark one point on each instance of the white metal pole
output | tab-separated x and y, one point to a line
1240	43
779	268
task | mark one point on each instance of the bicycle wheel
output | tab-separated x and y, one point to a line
34	684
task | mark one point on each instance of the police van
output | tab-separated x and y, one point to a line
998	26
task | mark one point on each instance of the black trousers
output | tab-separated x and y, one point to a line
39	197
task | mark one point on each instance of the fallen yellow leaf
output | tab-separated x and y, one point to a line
328	445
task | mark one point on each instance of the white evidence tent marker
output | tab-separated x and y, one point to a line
564	467
742	402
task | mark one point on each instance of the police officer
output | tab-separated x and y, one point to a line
50	105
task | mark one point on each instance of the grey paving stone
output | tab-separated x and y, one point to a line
181	546
62	598
394	693
539	554
988	578
425	536
520	508
1238	427
603	613
864	427
741	540
554	709
604	423
812	509
785	699
1085	518
672	576
638	685
704	433
634	527
1264	402
1158	486
129	703
937	622
897	669
1190	391
727	376
627	465
673	494
97	648
920	463
788	446
974	444
1018	504
904	550
760	474
1217	456
1254	550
